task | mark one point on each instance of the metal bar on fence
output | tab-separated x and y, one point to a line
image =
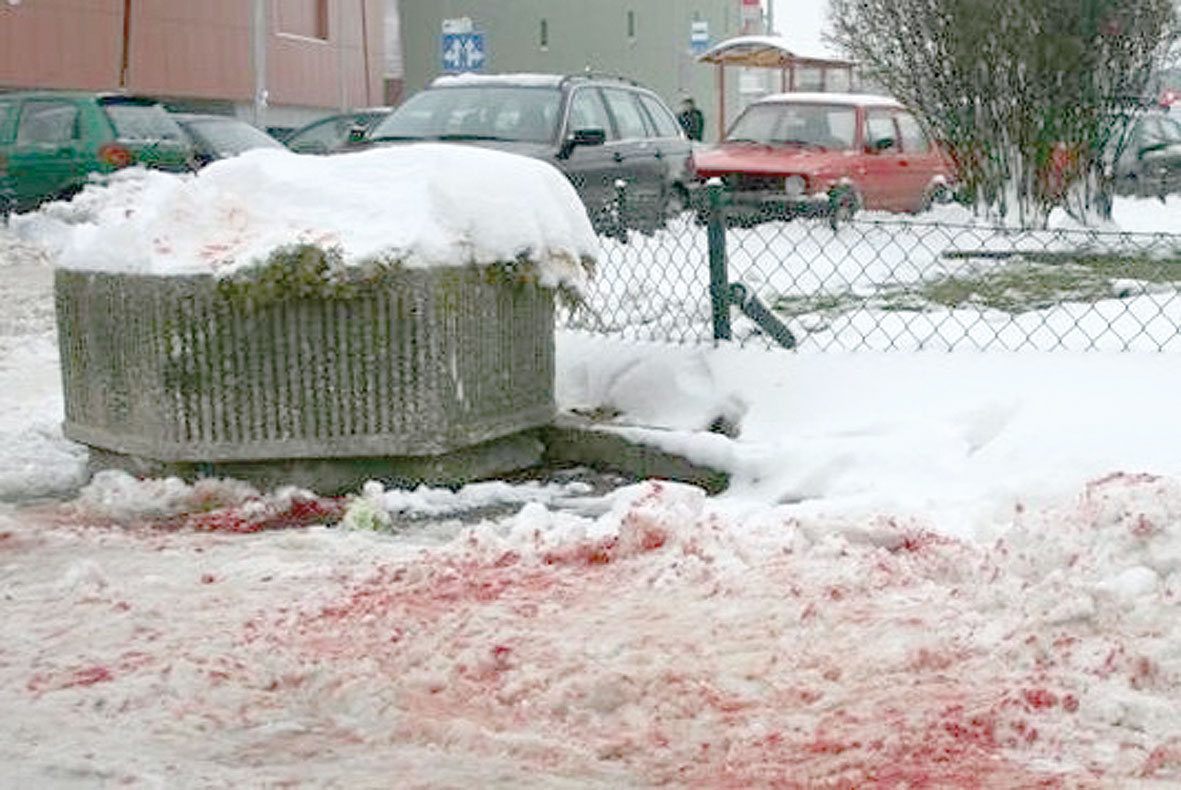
758	312
719	276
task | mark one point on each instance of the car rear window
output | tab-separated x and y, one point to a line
1161	131
228	137
48	121
134	121
628	115
913	139
662	117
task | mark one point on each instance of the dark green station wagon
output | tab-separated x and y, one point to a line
51	142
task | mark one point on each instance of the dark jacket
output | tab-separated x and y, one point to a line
692	121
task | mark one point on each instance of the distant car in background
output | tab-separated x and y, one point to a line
335	133
222	136
51	142
826	154
601	131
1147	162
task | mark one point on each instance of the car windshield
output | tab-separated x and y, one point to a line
511	112
227	137
135	121
820	126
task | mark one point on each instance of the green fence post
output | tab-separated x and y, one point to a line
719	277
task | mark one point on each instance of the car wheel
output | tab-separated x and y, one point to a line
842	205
936	194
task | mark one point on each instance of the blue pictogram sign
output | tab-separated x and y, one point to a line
463	52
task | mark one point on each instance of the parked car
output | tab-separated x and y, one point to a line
221	136
597	130
335	133
1147	159
825	154
51	143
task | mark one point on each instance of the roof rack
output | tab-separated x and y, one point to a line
591	74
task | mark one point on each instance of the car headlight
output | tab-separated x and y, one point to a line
794	186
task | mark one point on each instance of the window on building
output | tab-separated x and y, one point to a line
307	18
544	35
631	24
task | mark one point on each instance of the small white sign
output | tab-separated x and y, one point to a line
699	37
457	26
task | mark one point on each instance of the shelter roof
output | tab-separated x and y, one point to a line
766	52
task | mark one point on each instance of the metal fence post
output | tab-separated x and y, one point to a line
719	276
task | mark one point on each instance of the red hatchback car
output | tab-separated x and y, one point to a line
826	154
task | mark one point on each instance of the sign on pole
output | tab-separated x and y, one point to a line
699	37
752	16
462	47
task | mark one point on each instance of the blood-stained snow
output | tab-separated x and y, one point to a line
664	643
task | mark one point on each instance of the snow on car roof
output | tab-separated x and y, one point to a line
867	99
523	78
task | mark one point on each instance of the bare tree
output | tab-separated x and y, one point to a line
1029	96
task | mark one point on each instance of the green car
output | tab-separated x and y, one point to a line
51	143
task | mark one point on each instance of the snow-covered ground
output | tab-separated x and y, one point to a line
931	570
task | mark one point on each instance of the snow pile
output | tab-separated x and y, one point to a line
421	205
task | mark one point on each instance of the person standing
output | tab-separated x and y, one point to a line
691	118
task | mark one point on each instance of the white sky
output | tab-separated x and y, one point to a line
801	22
944	569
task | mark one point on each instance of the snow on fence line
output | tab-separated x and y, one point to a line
881	283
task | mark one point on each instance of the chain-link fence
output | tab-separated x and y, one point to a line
896	284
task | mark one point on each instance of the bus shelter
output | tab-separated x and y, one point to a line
772	52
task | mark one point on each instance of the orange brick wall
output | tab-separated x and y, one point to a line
61	44
189	49
192	49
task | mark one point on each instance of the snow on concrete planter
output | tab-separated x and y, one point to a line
394	303
424	362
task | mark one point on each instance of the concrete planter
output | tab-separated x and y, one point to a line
428	363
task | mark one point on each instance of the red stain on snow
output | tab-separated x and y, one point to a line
211	508
86	676
1040	699
89	676
244	519
939	715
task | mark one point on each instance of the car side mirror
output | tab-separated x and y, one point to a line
881	144
356	134
582	137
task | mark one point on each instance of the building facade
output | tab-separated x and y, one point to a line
652	41
278	62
